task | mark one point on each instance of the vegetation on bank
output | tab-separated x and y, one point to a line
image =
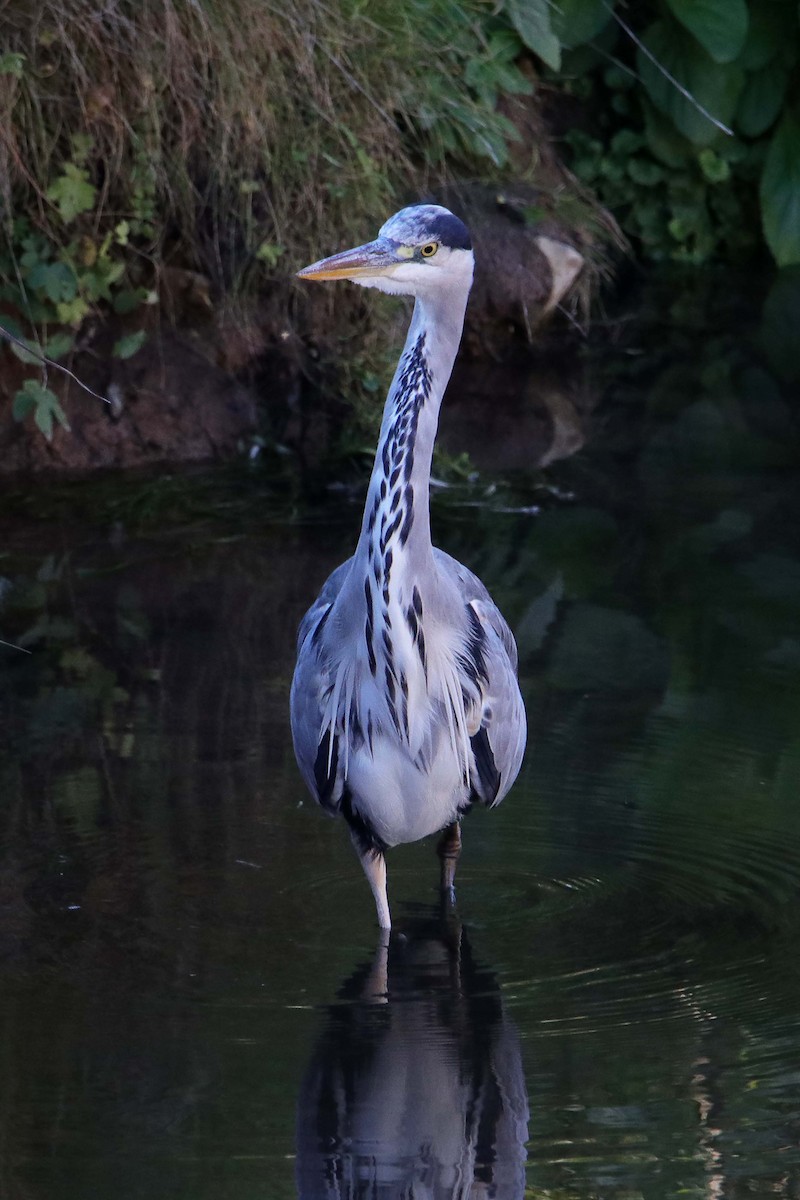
232	138
695	142
225	137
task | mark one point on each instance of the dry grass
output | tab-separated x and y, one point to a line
234	122
243	138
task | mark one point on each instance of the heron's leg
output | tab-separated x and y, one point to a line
374	865
448	849
376	988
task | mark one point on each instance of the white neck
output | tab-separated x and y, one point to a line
397	510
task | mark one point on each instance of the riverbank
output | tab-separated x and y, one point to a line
274	371
164	174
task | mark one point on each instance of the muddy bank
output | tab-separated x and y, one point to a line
209	383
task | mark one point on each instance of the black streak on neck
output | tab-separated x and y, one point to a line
390	523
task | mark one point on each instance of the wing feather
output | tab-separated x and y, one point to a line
498	743
312	687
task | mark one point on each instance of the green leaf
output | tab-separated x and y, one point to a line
34	397
57	410
72	312
96	281
72	193
38	275
720	26
626	142
780	192
714	168
56	280
531	20
10	325
663	139
772	28
81	144
24	403
269	253
129	299
43	417
112	271
575	22
128	345
645	172
496	70
12	63
33	251
762	100
713	87
680	229
59	345
618	80
28	354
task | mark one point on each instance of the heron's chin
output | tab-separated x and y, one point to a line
385	283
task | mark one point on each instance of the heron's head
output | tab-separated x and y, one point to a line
420	250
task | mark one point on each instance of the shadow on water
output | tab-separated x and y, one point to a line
175	917
416	1086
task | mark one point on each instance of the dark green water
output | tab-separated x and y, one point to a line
192	989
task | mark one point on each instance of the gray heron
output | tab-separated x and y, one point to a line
405	704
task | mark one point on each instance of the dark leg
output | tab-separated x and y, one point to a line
448	849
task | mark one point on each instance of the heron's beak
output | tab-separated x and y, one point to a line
373	258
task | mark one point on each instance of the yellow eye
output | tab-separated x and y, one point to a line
429	250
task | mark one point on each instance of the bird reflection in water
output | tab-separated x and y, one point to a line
415	1090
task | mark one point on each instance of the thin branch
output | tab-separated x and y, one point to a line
49	362
675	83
15	647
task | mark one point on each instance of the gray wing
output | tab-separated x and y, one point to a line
472	588
328	593
310	682
498	743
